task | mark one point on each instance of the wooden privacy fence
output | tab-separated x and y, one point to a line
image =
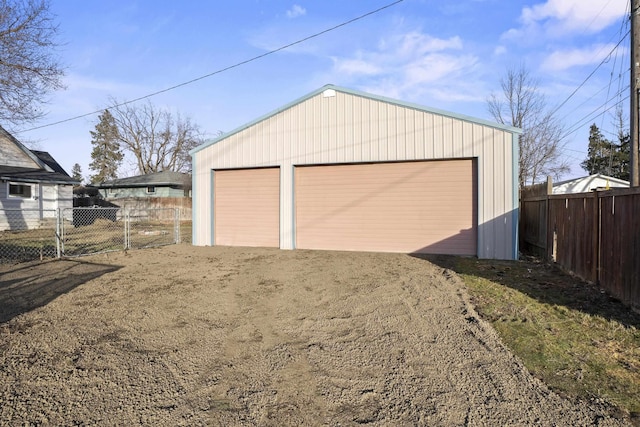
595	236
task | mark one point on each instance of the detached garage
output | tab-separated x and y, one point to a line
345	170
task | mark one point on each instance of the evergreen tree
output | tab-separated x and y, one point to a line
605	156
106	155
76	172
600	153
622	164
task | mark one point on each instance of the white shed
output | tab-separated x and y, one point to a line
340	169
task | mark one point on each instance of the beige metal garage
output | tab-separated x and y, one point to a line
246	206
415	207
361	172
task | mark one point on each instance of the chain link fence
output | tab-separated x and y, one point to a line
30	235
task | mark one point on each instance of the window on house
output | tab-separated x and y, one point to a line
151	189
20	190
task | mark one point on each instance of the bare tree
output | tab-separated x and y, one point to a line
28	66
158	140
522	105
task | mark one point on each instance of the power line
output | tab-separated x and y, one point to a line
620	80
589	117
590	75
222	70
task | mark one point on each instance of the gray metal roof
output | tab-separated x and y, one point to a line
159	179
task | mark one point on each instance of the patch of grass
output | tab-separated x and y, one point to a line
570	334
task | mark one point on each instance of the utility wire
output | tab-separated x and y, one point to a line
590	116
222	70
595	94
592	73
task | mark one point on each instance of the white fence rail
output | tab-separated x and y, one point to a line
27	235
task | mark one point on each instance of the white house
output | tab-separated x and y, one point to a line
589	183
340	169
32	185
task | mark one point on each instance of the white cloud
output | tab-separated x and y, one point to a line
296	11
565	59
499	50
560	17
410	66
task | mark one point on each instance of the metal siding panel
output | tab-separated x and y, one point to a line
467	139
457	142
410	134
391	133
498	196
347	138
383	129
477	140
447	138
421	135
372	124
437	136
399	137
489	229
365	120
202	198
316	133
337	143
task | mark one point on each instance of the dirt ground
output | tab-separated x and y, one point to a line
190	336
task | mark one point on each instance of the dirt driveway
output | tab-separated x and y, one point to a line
192	336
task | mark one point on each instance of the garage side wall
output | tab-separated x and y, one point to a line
333	127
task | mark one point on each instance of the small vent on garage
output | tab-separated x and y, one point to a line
329	93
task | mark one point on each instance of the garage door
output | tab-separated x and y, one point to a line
246	206
412	207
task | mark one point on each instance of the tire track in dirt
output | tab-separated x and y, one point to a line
240	336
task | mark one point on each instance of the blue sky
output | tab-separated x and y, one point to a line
446	55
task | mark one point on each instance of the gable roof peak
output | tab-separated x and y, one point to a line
365	95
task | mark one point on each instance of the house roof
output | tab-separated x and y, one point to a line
47	159
13	173
5	134
49	170
363	95
159	179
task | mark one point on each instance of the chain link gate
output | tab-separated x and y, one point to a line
147	228
92	230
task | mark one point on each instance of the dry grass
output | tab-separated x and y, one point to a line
570	334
